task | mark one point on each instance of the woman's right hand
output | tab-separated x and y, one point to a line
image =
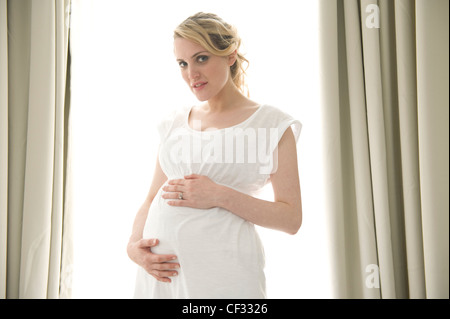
159	266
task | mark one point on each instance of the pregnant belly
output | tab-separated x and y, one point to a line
201	232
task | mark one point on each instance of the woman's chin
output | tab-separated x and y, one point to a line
201	98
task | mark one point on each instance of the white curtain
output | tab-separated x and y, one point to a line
34	196
385	77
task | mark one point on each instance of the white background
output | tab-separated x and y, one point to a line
125	78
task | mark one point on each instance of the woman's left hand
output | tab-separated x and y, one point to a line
199	191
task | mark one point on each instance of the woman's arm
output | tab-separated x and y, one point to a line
139	249
159	179
284	213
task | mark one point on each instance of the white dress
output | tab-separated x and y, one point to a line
220	254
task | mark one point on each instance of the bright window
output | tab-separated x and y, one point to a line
124	77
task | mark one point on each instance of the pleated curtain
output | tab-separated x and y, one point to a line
385	105
35	253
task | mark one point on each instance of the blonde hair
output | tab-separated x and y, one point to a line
218	38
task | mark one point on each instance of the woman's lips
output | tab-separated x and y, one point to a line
199	86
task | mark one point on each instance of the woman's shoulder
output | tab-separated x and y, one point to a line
280	119
170	114
170	118
274	114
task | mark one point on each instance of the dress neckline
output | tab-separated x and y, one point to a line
189	109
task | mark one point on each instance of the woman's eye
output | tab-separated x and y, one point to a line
202	58
182	64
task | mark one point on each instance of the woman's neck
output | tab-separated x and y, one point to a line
230	97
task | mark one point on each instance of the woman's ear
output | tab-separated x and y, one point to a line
232	58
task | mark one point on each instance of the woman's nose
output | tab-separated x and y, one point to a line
193	73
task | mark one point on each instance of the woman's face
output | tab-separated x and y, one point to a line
205	73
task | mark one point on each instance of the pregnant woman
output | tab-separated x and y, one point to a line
194	235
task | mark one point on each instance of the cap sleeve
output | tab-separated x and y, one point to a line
281	121
296	126
165	124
